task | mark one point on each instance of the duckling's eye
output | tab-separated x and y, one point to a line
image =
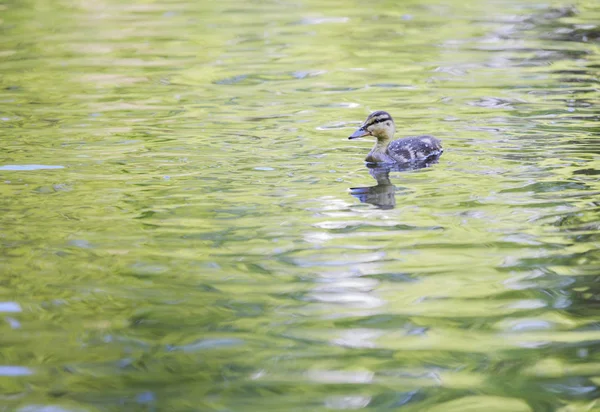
387	123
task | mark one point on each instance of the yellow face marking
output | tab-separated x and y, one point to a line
376	119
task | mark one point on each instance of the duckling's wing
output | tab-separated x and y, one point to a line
414	148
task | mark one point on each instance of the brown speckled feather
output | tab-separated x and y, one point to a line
414	148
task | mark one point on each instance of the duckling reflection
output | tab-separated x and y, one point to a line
383	194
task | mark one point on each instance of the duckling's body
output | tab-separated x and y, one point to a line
409	149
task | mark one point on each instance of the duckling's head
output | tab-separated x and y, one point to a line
379	124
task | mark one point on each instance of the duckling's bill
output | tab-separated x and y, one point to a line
360	133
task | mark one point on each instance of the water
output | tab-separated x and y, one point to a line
185	226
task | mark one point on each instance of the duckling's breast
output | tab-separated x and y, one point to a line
414	148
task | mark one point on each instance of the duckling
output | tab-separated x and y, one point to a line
409	149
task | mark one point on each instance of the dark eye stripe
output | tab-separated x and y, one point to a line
375	120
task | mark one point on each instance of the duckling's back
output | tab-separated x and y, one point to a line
415	148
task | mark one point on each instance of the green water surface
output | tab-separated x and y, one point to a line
184	225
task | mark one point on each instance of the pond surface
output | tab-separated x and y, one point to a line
184	225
